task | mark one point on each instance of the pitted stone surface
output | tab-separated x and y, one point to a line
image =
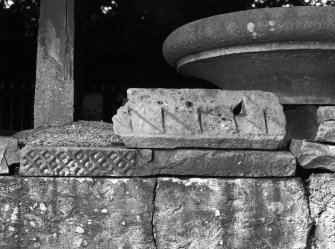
81	133
76	161
170	118
9	153
236	213
322	205
59	213
313	155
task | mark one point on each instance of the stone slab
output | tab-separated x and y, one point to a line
313	155
207	118
75	161
66	213
235	213
81	133
9	153
322	206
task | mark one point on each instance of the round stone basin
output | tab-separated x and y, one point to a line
287	51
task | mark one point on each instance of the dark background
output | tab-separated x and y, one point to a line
121	44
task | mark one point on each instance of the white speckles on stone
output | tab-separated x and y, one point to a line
251	27
6	208
77	242
32	223
13	217
217	212
79	229
104	210
272	23
43	207
123	223
89	222
12	229
95	210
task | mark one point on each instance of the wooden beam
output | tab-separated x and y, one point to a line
54	91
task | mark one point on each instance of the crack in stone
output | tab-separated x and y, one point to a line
153	212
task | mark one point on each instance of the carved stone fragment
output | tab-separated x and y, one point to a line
322	206
171	118
81	133
84	161
9	153
236	213
76	213
313	155
79	161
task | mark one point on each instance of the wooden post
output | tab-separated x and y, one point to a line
54	91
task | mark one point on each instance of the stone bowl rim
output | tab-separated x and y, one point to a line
196	38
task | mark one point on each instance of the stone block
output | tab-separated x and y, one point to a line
9	153
172	118
81	133
59	213
234	213
322	206
84	161
313	155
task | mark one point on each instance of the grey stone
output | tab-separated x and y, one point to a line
54	91
235	213
326	120
81	133
68	213
313	155
322	206
287	51
172	118
84	161
9	153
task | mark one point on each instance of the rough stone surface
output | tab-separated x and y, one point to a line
81	133
9	153
66	213
241	213
170	118
54	91
74	161
322	206
313	155
326	129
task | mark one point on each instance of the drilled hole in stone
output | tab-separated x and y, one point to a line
238	109
160	102
188	104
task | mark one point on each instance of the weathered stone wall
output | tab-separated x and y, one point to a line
84	185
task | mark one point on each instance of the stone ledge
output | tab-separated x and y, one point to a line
118	162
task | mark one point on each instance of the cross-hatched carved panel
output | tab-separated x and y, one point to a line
64	161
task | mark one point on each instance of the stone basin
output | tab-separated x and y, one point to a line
287	51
